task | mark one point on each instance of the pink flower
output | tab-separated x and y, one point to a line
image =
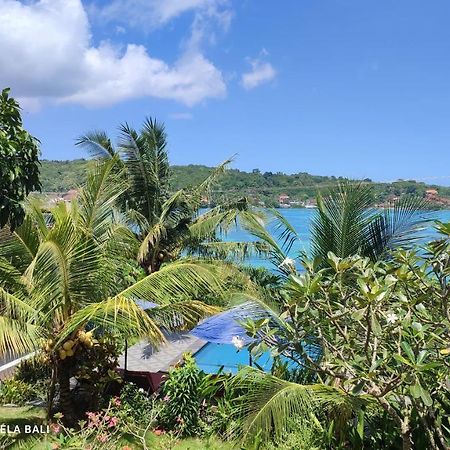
116	401
102	438
166	398
93	419
113	422
55	427
55	446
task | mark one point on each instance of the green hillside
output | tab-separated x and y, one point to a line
60	176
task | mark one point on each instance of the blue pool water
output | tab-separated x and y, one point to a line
212	357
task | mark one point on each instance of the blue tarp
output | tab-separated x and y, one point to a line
222	327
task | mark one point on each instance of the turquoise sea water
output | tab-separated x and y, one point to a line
300	219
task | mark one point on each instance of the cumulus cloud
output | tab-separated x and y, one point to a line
46	53
261	72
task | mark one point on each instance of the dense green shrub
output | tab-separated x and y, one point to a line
135	403
34	369
181	397
19	164
382	329
16	392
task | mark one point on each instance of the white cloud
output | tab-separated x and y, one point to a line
261	72
151	14
46	53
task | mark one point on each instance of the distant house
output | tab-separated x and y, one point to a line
70	195
283	199
431	194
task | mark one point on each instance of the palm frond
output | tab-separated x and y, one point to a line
346	224
118	314
97	199
171	225
256	227
398	226
220	219
181	279
212	222
181	315
18	337
18	332
146	160
287	234
268	405
229	250
205	186
97	144
341	220
20	247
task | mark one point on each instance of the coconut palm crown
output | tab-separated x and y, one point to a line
167	223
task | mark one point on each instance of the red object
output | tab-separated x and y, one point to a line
149	381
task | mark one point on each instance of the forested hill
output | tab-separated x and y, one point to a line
61	176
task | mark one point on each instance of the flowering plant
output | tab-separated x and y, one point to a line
101	430
380	331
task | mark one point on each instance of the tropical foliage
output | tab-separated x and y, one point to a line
166	223
19	165
346	225
181	393
62	287
373	333
358	330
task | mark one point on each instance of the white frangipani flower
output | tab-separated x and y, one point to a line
237	342
287	262
391	318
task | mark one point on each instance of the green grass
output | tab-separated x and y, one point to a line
21	414
165	443
32	415
153	443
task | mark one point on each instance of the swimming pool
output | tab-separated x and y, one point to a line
211	357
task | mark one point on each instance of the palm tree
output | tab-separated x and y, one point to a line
347	224
166	224
61	272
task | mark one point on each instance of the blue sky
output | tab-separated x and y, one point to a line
345	87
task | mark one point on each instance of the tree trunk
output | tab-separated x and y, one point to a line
404	424
65	396
51	392
407	441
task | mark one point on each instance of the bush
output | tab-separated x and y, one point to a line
33	370
16	392
181	397
218	396
135	403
